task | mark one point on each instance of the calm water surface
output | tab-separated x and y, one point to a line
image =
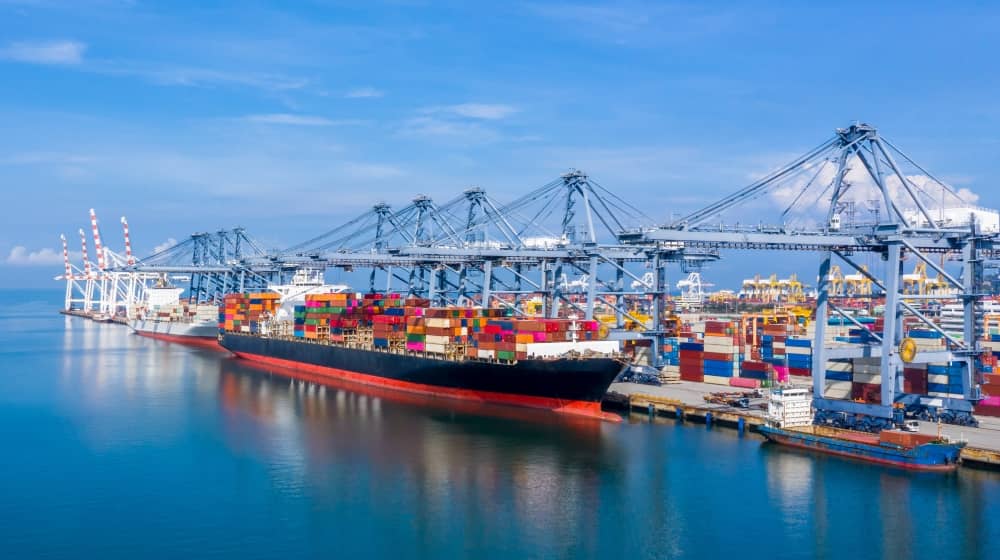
118	446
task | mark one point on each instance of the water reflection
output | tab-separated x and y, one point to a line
433	460
262	465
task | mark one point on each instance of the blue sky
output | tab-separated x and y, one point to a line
288	118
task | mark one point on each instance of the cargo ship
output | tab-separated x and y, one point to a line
789	422
199	331
163	316
467	353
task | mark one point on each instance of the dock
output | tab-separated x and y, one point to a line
685	401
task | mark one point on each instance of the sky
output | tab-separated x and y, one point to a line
288	118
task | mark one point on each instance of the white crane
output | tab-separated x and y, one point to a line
692	290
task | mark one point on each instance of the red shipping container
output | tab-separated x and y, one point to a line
982	410
691	369
991	390
867	392
754	366
693	355
699	377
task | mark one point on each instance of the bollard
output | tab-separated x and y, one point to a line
680	414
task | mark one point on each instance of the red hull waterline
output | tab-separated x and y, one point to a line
900	464
199	341
577	408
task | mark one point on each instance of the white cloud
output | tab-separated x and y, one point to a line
364	92
357	170
170	242
45	52
486	111
196	77
20	256
298	120
45	158
861	190
638	23
447	128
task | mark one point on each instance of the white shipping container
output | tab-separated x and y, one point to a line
866	368
437	339
718	340
722	349
870	378
837	390
839	366
555	349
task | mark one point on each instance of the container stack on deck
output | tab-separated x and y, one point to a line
183	312
391	322
245	312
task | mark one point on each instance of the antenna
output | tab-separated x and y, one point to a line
128	243
69	269
97	240
86	261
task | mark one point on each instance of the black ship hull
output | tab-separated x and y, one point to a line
564	384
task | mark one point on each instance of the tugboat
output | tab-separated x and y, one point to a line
789	422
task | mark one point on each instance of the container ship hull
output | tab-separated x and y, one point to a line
197	334
562	384
924	457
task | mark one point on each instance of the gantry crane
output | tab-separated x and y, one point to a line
856	163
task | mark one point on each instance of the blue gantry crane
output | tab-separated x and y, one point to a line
910	214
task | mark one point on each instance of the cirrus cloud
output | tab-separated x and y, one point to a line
364	92
484	111
45	52
298	120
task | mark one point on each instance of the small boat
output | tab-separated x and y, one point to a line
789	422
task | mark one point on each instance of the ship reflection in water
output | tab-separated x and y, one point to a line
433	464
118	441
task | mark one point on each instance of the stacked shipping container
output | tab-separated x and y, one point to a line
245	312
721	354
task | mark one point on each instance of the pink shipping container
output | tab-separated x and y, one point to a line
744	382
